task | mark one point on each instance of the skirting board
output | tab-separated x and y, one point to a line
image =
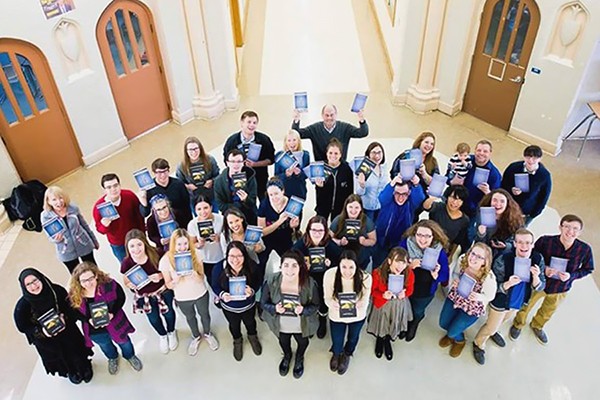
530	138
184	117
449	109
105	152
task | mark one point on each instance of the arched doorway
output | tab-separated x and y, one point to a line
33	123
504	43
129	48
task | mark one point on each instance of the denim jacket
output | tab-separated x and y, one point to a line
78	239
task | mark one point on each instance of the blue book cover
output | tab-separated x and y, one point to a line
437	185
298	155
407	169
465	285
430	258
417	155
294	207
481	175
253	235
522	268
286	160
559	264
359	103
317	170
487	216
54	226
254	152
144	179
166	228
237	287
395	283
137	276
108	210
522	182
183	263
301	101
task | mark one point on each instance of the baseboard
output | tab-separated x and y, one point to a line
182	118
108	151
529	138
449	109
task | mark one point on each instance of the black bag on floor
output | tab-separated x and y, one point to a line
26	203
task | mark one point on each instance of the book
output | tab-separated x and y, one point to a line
465	285
254	152
481	175
487	216
294	207
522	268
253	235
430	258
559	264
239	181
315	170
99	313
198	174
407	169
327	170
365	166
352	229
51	322
522	182
437	185
205	229
166	228
317	259
237	287
286	160
359	103
108	210
289	303
144	179
395	284
417	155
137	276
183	263
301	101
54	226
347	303
298	155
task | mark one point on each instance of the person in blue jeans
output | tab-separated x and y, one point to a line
473	287
348	278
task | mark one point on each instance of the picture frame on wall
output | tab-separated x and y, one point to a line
391	8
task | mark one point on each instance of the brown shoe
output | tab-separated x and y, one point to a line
457	348
445	342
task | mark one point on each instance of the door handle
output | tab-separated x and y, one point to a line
517	79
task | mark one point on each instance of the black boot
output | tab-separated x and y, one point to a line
322	330
284	365
299	366
412	330
387	347
378	347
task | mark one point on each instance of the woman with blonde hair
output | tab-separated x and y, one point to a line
191	291
293	178
74	239
197	170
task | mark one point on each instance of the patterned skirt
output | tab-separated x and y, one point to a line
391	319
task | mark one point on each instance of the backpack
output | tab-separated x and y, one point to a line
26	202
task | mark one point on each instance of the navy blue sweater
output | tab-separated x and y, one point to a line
540	185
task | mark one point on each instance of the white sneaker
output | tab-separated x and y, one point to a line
163	343
212	341
193	347
173	341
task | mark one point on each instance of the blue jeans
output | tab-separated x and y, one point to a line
169	316
372	214
419	305
338	333
108	347
119	252
455	321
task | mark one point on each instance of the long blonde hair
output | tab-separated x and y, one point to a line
487	265
196	263
75	288
292	132
58	192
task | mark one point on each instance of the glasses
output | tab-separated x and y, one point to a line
571	228
423	235
375	152
317	230
161	171
477	256
32	283
162	208
401	194
193	149
235	256
88	280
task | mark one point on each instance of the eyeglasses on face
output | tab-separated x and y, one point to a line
32	283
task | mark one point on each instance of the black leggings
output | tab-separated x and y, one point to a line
235	322
285	341
73	263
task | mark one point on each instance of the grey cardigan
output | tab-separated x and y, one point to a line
78	239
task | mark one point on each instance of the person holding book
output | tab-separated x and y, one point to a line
236	283
321	253
460	163
293	177
198	170
347	290
518	275
162	220
150	294
290	300
236	187
577	262
206	231
507	217
354	230
43	314
173	188
99	300
337	184
369	187
426	164
127	206
393	284
183	272
535	183
320	133
257	148
473	287
74	239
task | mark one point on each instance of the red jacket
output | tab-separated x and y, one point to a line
129	218
379	287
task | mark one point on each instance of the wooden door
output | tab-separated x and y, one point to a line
129	49
33	123
506	36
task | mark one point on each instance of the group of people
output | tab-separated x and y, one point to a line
365	220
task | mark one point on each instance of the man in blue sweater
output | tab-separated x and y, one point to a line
534	200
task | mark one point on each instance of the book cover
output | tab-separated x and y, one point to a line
347	303
286	160
183	263
294	207
108	210
417	155
522	268
522	182
317	170
481	175
54	226
99	313
144	179
359	103
205	229
352	229
407	169
166	228
356	163
366	167
317	259
301	101
487	215
237	287
430	258
327	170
298	155
239	181
465	285
437	185
51	322
137	276
559	264
198	174
289	303
254	152
395	283
253	235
